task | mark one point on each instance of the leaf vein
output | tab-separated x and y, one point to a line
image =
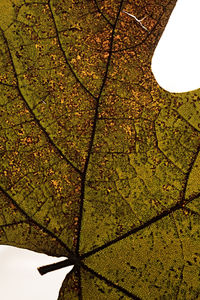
34	116
30	220
178	206
94	127
64	54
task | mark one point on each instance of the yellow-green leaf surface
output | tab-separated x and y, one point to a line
98	163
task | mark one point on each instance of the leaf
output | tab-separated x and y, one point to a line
99	164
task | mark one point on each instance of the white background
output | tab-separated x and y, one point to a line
176	66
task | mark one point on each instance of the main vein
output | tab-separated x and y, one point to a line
94	127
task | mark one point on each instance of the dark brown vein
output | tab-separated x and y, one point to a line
33	115
64	54
9	85
191	211
94	128
177	206
30	220
148	33
80	295
77	265
189	171
102	14
12	224
183	119
167	158
180	283
110	283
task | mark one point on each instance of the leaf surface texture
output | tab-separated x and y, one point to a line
98	162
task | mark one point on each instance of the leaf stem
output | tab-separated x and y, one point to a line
56	266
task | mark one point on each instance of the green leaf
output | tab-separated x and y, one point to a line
99	164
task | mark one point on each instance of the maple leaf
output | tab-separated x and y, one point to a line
99	164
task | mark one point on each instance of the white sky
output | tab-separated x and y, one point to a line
176	65
20	279
176	61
